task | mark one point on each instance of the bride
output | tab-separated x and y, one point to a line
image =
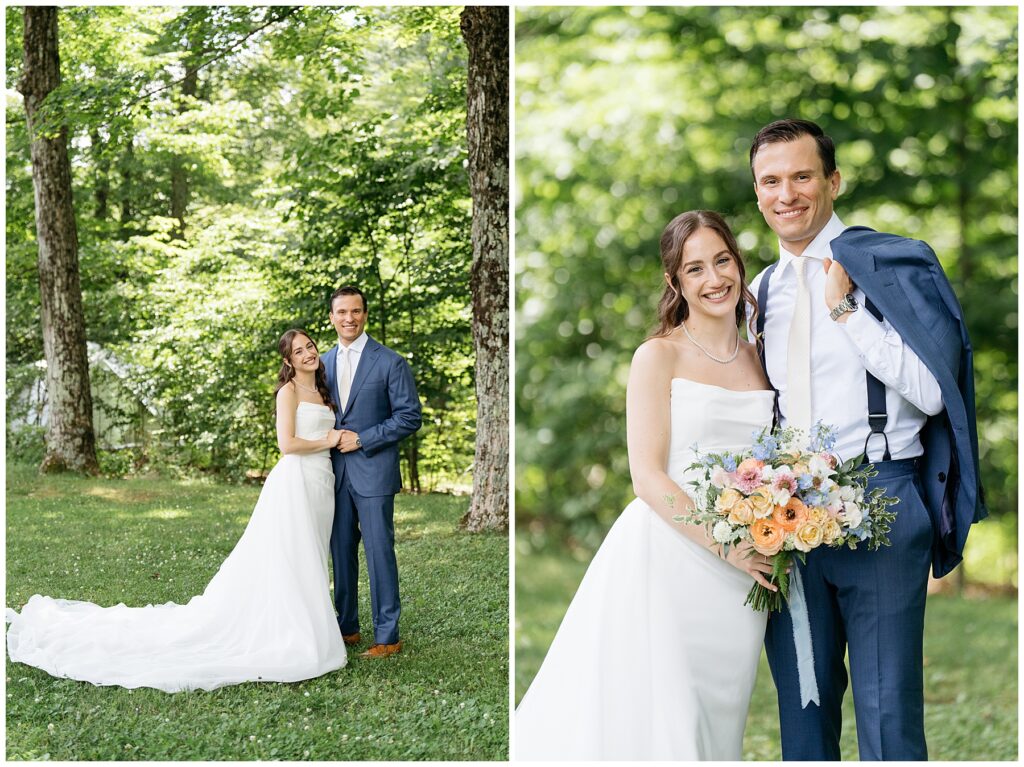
657	655
267	614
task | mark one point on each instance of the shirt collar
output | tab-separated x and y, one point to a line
820	247
356	346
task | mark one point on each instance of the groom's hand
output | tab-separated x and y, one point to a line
348	441
837	285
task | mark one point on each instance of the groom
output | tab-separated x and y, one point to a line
376	407
863	332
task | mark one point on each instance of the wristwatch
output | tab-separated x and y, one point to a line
848	304
359	442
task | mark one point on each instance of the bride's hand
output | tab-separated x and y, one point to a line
744	557
334	437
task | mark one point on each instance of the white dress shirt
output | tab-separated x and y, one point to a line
355	351
840	353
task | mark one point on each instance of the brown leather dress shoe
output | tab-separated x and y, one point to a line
382	650
351	639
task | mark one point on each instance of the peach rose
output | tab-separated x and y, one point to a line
768	537
742	512
790	516
727	500
761	502
808	536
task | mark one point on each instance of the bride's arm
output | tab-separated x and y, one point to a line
648	425
287	404
648	429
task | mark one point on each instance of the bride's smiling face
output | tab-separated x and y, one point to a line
709	275
304	356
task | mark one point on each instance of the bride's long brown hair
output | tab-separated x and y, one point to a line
672	308
287	371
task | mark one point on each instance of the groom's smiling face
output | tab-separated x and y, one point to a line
793	192
348	317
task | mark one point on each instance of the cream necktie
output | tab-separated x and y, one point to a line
344	378
798	369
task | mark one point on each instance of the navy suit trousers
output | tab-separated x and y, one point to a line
371	518
871	603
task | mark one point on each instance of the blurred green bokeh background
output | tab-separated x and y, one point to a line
627	116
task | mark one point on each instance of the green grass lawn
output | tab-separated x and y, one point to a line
150	540
970	652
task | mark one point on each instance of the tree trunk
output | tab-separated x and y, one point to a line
412	455
127	166
179	175
485	30
102	175
70	440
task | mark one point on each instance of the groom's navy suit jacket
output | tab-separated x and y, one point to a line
383	408
904	280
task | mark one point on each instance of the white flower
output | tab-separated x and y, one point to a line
848	493
723	532
852	514
819	467
781	497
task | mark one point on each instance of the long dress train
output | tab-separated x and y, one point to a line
657	656
267	614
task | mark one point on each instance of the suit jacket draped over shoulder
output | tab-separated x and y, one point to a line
904	279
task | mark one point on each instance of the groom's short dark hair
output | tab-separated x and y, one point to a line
791	129
348	290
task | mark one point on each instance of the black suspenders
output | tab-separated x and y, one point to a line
877	414
762	311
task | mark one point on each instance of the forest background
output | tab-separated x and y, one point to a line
231	167
626	117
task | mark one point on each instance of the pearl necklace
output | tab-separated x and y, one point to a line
709	354
303	386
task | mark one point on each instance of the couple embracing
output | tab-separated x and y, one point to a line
657	655
267	614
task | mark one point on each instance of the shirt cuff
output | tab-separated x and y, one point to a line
864	330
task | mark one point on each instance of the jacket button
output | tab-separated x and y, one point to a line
942	476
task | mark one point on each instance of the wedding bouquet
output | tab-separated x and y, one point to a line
786	499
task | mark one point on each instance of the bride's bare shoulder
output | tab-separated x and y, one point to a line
656	354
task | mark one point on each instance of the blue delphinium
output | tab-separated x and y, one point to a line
815	498
805	481
823	438
765	446
729	463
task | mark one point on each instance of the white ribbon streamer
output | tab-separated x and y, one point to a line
802	640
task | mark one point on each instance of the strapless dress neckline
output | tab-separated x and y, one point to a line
723	388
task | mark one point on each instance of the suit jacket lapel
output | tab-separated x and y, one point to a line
330	370
367	360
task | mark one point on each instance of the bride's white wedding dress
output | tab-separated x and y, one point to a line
266	616
657	655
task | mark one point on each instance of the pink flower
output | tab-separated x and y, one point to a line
783	486
748	475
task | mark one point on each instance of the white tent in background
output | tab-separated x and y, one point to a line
123	415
